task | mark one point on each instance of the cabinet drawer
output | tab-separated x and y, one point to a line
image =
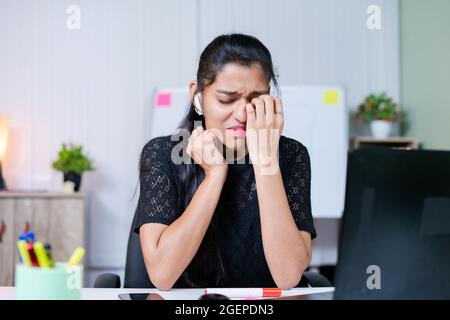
66	227
34	213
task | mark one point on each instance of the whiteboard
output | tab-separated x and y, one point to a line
169	107
314	115
317	117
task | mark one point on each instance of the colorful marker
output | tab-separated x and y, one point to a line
28	236
33	258
76	256
48	251
41	255
23	252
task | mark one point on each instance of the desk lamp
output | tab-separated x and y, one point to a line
4	128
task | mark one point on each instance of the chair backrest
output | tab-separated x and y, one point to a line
135	272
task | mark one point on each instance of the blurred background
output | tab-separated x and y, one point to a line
85	72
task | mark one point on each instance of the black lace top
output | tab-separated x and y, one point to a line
237	212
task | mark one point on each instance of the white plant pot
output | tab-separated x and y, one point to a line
380	129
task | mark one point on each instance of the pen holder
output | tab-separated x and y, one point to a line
62	282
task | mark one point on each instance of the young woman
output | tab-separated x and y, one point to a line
244	222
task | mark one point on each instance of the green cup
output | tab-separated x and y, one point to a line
62	282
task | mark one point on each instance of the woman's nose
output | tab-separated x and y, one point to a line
239	112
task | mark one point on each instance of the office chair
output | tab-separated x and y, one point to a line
136	274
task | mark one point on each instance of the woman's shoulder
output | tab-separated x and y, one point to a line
162	143
293	155
290	147
157	151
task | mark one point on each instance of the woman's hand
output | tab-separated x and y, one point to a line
264	127
202	148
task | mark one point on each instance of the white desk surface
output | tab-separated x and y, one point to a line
9	293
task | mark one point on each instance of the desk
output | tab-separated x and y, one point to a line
9	293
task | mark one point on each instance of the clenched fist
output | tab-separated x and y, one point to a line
202	148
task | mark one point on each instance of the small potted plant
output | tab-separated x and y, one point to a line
72	163
380	111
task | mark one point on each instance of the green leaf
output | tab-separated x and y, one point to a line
72	160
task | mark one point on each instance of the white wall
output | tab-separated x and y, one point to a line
94	86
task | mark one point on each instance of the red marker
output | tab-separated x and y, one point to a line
245	292
33	258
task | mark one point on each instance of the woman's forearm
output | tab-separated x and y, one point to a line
180	241
286	251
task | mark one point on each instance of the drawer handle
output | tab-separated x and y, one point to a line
2	229
26	229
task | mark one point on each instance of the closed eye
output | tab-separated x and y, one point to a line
226	101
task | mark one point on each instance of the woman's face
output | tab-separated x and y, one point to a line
224	101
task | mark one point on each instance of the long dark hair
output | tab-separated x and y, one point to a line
206	269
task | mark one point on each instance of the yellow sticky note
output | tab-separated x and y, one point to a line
331	97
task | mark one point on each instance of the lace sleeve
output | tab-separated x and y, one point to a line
158	199
297	181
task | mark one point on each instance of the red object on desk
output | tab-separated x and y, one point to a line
271	292
245	292
33	258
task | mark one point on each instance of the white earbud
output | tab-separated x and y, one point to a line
198	105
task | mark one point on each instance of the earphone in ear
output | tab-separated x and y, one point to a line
198	105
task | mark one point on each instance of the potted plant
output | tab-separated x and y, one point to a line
72	163
380	111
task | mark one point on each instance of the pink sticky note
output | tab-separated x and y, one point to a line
163	100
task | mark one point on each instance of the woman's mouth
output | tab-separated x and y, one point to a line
237	131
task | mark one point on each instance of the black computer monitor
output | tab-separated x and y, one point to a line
395	235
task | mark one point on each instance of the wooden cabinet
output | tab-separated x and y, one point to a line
7	248
56	218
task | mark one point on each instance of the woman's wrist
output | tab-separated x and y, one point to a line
267	169
217	174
